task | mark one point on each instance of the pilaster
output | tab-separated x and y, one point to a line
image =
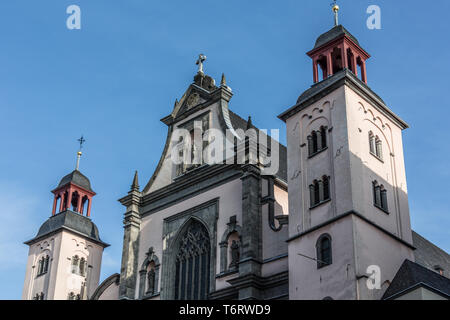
129	267
251	252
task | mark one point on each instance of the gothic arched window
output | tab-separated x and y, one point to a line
324	253
193	263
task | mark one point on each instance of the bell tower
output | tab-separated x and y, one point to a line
336	50
349	224
65	255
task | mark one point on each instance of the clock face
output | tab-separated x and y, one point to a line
193	100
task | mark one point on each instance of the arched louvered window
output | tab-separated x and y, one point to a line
39	296
326	188
316	192
319	191
317	141
378	148
43	263
82	266
375	146
372	142
40	266
193	263
75	265
323	131
46	262
380	196
324	253
314	142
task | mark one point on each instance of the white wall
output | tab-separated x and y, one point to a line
59	281
352	169
338	280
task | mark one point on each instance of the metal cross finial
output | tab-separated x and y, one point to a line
81	141
335	10
201	59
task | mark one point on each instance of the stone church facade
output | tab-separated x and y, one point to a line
333	219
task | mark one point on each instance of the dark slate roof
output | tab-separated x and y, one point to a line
77	178
332	34
317	87
240	123
412	275
429	255
71	221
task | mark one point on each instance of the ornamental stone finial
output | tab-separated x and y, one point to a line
135	184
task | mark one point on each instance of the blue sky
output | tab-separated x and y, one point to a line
116	77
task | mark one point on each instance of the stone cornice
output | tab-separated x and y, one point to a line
132	218
133	197
259	282
193	179
64	228
342	216
344	77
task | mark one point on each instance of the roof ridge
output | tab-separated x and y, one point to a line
253	126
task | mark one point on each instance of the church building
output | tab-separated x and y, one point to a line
331	222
